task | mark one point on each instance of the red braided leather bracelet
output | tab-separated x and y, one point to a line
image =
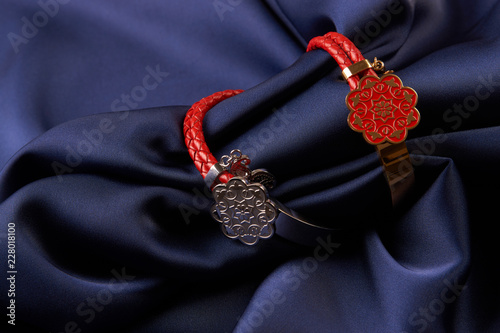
195	140
380	108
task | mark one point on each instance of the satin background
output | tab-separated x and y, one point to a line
113	232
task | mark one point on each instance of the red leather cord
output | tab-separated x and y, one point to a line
193	132
339	47
343	51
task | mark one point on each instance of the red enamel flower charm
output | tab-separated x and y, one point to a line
382	109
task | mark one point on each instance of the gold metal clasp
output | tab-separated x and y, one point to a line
377	65
356	68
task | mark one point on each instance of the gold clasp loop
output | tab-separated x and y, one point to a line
379	66
356	68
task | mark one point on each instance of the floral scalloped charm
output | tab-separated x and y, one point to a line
382	109
244	210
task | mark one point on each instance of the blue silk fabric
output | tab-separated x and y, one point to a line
112	221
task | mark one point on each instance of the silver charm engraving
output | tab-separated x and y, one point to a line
244	210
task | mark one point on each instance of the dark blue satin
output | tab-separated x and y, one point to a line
113	232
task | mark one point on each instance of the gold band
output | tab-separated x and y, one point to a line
398	169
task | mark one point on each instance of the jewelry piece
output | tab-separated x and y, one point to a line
380	108
242	204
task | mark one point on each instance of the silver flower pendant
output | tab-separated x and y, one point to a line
244	210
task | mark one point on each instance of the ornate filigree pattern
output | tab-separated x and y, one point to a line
244	210
382	109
